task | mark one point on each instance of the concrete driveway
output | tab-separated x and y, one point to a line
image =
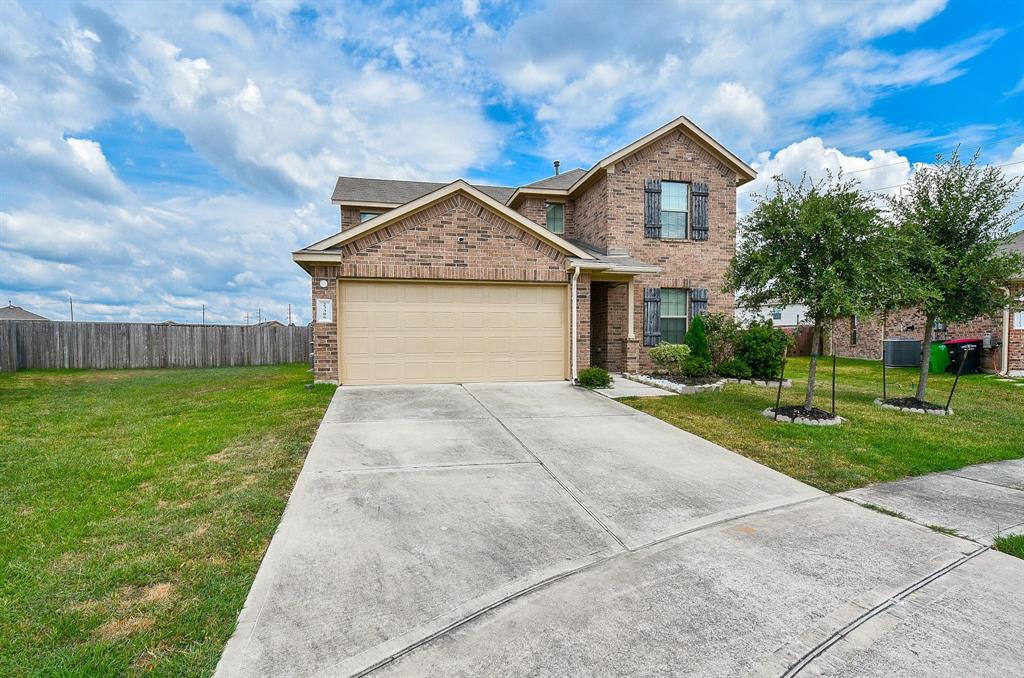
542	530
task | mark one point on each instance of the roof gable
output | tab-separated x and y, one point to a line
436	196
744	172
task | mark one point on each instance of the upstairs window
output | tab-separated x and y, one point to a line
673	315
366	216
1018	320
675	202
556	218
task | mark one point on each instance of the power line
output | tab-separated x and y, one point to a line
886	188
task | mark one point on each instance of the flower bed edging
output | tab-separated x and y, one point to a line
770	413
786	383
681	389
914	410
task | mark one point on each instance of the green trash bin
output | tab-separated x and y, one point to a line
939	358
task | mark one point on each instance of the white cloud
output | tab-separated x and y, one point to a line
470	8
732	103
879	169
807	59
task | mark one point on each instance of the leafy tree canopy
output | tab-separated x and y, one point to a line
954	218
821	244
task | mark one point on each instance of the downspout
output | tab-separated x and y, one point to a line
1004	362
575	277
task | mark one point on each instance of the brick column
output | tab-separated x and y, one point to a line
325	334
583	321
632	359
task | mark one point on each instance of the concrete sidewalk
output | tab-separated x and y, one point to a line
541	529
979	502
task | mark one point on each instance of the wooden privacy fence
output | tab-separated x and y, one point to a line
36	344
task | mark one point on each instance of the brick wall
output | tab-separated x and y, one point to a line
426	245
583	291
909	323
325	335
684	263
590	215
1015	352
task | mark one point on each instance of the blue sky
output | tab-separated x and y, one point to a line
157	157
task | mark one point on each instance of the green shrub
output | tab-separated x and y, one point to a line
668	358
760	346
695	366
697	339
722	331
735	368
594	377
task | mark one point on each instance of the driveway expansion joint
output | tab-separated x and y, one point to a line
547	470
419	467
565	575
841	633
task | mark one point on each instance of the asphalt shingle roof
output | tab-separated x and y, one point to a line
359	189
1015	245
563	180
13	312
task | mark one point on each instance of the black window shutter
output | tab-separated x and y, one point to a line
698	302
699	223
652	316
652	208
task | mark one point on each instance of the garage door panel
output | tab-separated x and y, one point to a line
451	332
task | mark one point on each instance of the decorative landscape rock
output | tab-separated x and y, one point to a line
797	414
914	406
682	389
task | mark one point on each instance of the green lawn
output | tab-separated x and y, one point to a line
135	507
1011	543
875	445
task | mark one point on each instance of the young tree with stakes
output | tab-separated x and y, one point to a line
955	217
821	244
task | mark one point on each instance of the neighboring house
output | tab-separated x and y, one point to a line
430	282
12	312
782	316
1003	334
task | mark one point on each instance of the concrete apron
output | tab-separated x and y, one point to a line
525	529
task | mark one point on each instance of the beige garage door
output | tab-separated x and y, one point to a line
427	332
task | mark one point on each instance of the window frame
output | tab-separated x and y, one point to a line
1018	320
685	211
372	215
666	292
547	216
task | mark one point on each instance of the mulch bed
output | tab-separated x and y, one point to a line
913	403
799	411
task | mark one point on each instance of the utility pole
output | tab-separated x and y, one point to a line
259	315
289	314
71	302
246	317
204	314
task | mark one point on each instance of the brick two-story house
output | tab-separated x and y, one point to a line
1002	334
432	283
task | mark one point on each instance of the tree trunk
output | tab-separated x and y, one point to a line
926	354
812	372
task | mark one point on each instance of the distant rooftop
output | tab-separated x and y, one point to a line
12	312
